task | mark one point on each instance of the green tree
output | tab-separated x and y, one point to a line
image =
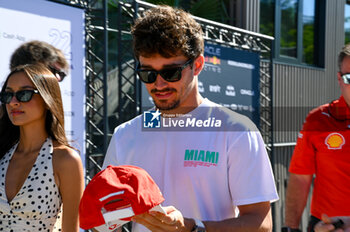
308	44
215	10
267	17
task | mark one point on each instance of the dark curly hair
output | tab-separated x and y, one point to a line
168	32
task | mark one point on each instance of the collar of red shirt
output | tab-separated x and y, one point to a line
339	109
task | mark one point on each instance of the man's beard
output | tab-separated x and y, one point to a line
169	106
166	106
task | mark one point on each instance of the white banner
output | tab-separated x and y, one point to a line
63	27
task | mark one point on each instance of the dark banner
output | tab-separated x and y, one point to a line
230	78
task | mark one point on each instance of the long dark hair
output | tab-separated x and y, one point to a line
49	89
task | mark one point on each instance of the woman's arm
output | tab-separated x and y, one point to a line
70	177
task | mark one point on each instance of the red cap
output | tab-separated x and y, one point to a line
118	192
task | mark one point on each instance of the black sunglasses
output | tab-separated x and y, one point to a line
21	96
168	74
56	72
346	78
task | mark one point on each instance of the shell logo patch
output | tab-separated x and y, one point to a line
334	141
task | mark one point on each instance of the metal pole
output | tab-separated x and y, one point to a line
138	87
105	77
272	151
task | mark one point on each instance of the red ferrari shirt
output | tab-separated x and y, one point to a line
323	149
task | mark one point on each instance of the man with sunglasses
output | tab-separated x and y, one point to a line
323	151
41	52
212	179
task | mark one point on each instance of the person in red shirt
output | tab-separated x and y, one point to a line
323	152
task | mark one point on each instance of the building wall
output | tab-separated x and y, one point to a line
252	14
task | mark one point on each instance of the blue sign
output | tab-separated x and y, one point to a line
230	78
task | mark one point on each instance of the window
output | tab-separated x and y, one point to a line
296	26
347	22
288	29
308	23
267	17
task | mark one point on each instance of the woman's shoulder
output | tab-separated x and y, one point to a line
65	156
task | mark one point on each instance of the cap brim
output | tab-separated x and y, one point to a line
118	214
158	208
114	219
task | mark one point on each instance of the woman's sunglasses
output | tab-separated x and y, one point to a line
168	74
21	96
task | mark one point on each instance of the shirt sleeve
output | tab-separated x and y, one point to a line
251	178
111	154
303	159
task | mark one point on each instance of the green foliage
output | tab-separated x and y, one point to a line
209	9
164	2
308	44
347	37
267	19
289	33
347	29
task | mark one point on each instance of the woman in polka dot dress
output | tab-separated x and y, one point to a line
39	170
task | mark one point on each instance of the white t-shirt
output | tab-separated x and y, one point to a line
205	172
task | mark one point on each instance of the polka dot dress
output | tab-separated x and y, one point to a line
37	204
